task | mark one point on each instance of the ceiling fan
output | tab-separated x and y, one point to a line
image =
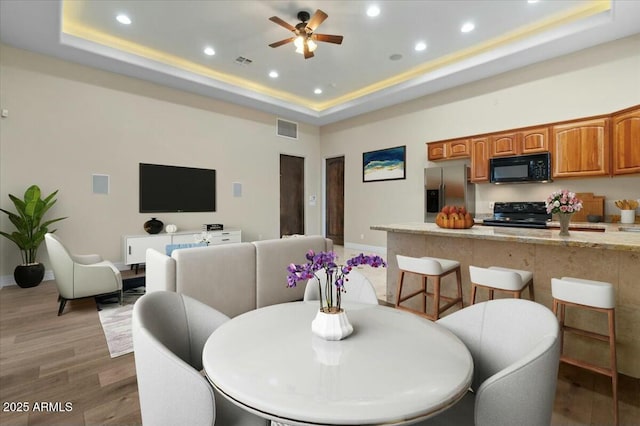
305	38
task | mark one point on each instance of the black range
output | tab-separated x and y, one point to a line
520	214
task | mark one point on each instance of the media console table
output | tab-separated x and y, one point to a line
135	246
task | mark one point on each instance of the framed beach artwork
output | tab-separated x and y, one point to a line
384	164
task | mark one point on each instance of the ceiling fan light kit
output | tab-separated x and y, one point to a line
305	38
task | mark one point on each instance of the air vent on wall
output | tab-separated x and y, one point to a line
287	129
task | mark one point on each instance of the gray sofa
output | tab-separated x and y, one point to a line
233	278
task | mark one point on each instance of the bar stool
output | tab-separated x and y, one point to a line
506	280
428	267
597	296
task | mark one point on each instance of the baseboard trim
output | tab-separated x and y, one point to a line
366	248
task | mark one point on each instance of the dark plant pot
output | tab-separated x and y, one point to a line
29	275
153	226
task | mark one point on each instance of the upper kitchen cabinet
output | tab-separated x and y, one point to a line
626	141
436	151
505	144
458	148
526	141
581	148
535	140
480	159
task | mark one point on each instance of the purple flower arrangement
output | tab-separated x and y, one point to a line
563	201
336	274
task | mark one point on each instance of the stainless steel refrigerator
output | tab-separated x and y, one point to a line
447	186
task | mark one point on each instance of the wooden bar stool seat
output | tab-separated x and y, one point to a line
593	295
507	280
429	267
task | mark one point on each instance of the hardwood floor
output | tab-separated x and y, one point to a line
46	359
61	363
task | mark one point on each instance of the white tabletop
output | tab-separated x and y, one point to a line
394	368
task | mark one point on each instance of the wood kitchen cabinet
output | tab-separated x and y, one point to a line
522	142
459	148
535	140
597	146
505	144
626	141
436	151
480	159
581	148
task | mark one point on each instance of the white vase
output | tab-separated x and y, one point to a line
331	325
627	216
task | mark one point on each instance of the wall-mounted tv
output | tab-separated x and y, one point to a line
166	189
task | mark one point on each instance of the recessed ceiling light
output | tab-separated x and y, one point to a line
209	51
123	19
317	91
273	74
420	46
532	1
373	11
467	27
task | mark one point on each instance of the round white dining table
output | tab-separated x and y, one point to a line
396	367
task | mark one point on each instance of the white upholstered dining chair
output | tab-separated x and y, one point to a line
78	276
515	348
357	288
169	333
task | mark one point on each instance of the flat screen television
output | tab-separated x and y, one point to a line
165	189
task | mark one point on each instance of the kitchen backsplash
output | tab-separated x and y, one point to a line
620	187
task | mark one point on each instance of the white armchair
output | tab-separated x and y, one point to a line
79	276
169	333
515	348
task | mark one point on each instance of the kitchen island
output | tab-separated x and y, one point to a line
611	255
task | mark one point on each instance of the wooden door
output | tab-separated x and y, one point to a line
335	199
291	195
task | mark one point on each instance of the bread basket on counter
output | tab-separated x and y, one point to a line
454	217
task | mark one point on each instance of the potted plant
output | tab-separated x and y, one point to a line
29	234
331	322
563	203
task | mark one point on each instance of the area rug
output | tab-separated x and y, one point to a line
116	321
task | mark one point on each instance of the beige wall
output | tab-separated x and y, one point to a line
67	122
591	82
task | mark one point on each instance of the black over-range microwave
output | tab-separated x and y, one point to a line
521	168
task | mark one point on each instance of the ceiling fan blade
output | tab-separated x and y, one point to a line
283	23
328	38
317	19
281	42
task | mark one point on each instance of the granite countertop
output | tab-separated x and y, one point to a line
611	239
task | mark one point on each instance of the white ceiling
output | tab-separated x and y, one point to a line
165	42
